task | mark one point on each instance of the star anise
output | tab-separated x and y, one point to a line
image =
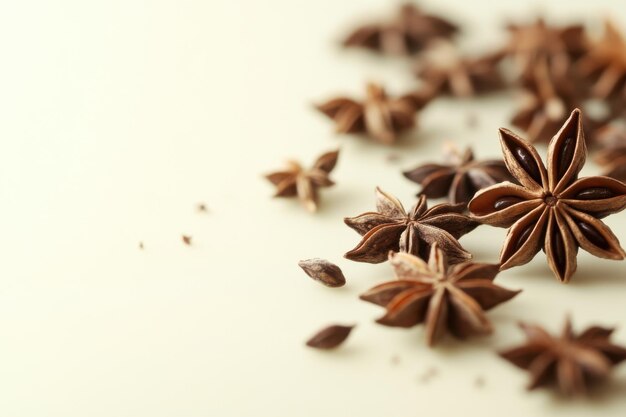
459	177
571	361
445	71
551	209
612	153
391	228
605	61
444	298
303	183
408	33
380	116
530	43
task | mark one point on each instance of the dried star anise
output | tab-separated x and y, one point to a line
612	153
408	33
444	71
444	298
530	43
551	209
571	362
459	177
392	229
380	116
303	183
605	62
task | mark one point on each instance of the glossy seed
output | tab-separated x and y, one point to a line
506	201
527	162
523	237
593	235
566	155
330	337
595	193
323	271
558	250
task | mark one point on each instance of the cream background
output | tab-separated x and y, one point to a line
118	116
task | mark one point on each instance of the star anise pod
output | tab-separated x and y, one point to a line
570	361
380	116
445	71
551	209
303	183
391	228
605	62
612	153
444	298
530	43
459	177
545	104
408	33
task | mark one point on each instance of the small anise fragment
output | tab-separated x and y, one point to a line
381	117
323	271
611	140
391	228
552	209
445	71
570	361
186	239
201	207
459	177
330	337
304	183
444	298
408	33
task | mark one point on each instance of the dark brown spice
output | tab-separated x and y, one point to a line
323	271
330	337
186	240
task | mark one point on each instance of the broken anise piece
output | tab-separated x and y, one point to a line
408	33
297	181
605	62
330	337
459	177
323	271
380	116
551	209
444	71
444	298
611	140
391	228
571	361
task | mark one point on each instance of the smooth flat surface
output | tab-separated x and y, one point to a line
118	117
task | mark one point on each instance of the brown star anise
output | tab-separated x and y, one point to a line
407	34
551	209
391	228
459	177
570	361
303	183
444	298
612	153
531	43
381	117
444	71
605	61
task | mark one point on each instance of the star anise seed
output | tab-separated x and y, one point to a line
552	209
391	228
330	337
303	183
444	298
570	361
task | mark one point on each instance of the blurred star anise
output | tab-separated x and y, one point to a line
381	117
408	33
444	298
445	71
551	209
605	62
303	183
459	177
611	140
391	228
571	361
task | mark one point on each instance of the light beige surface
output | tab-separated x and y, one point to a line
119	116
